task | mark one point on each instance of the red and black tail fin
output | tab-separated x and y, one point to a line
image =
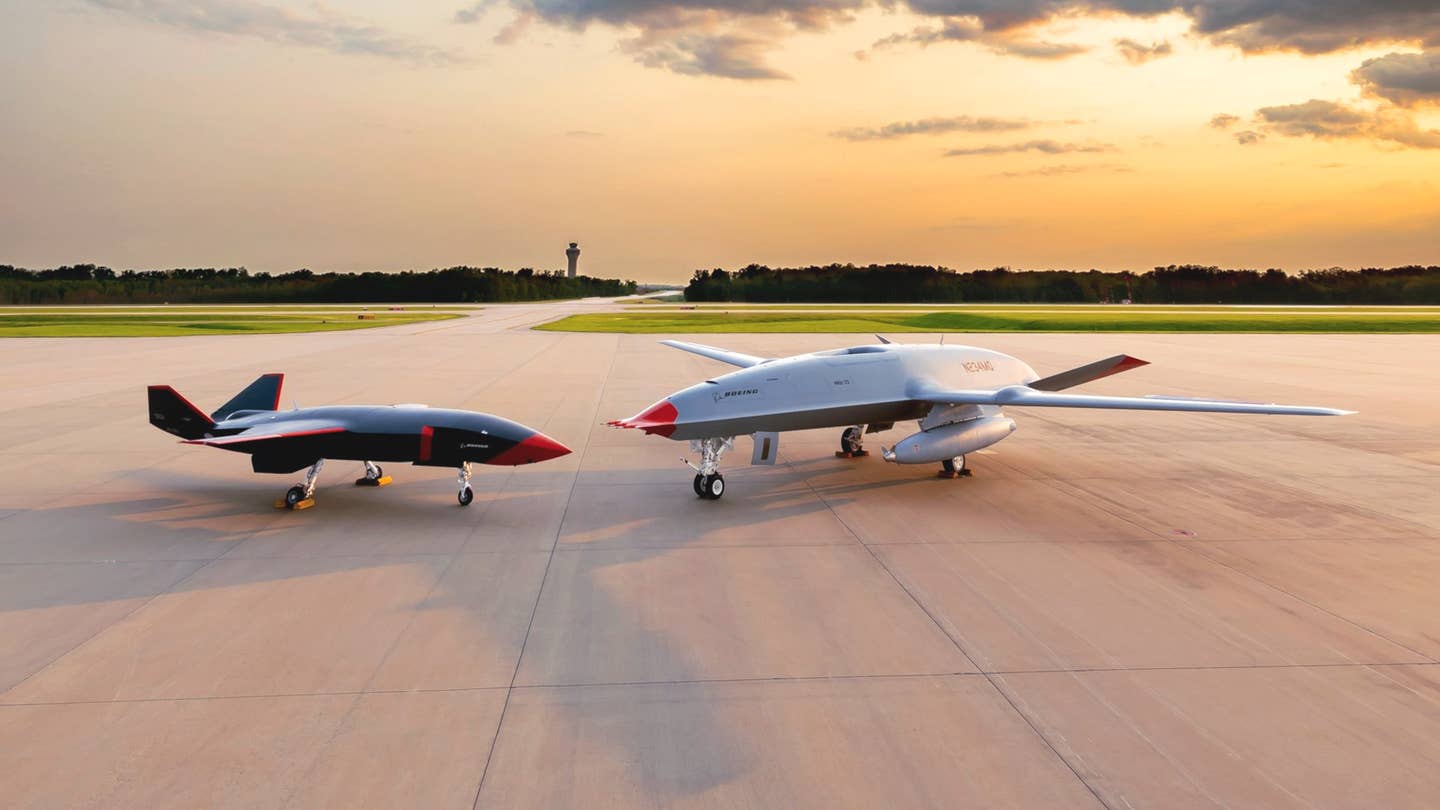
175	414
261	395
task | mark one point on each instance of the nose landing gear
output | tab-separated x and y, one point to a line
466	493
709	484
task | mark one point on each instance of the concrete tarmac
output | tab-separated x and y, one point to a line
1117	610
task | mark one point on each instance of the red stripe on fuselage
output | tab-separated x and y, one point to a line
427	439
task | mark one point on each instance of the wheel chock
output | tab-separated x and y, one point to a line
856	454
305	504
382	481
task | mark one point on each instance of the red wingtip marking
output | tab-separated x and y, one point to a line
1127	362
535	448
280	384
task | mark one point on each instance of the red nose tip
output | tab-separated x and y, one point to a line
658	418
538	447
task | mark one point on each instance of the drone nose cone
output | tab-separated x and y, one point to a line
658	418
537	447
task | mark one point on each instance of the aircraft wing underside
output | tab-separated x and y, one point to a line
1021	395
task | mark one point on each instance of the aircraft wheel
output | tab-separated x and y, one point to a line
379	472
699	485
852	440
713	487
953	467
294	495
466	496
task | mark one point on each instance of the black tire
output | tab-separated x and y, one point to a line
699	485
951	466
852	440
379	472
294	495
466	496
714	487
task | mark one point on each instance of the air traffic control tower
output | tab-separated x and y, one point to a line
572	254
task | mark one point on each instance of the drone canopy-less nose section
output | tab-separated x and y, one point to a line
658	419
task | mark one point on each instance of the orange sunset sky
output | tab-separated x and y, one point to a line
666	135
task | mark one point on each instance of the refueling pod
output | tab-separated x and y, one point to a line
950	441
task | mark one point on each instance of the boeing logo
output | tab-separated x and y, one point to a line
738	392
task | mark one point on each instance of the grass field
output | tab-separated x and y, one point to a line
1022	319
169	322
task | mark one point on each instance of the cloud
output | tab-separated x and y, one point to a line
1069	168
322	29
1248	137
1224	121
513	30
1137	53
1253	26
971	29
1048	147
726	55
730	38
473	12
932	126
1330	120
1406	79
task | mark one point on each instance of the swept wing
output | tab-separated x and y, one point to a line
723	355
1024	395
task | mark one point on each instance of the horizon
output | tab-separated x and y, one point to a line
281	135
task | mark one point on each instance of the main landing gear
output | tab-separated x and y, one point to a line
466	493
852	443
374	476
709	483
954	468
302	496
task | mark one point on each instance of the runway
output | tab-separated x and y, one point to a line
1118	609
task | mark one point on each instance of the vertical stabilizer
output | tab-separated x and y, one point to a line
261	395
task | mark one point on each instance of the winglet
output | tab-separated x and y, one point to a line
884	339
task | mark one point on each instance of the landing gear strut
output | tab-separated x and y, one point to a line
374	476
954	468
852	443
302	496
466	493
709	484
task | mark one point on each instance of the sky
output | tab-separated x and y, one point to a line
670	135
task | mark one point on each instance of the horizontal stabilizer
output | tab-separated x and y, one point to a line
1088	373
175	414
1022	395
724	356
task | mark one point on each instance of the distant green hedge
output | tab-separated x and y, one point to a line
92	284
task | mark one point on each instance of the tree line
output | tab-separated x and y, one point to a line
1175	284
92	284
